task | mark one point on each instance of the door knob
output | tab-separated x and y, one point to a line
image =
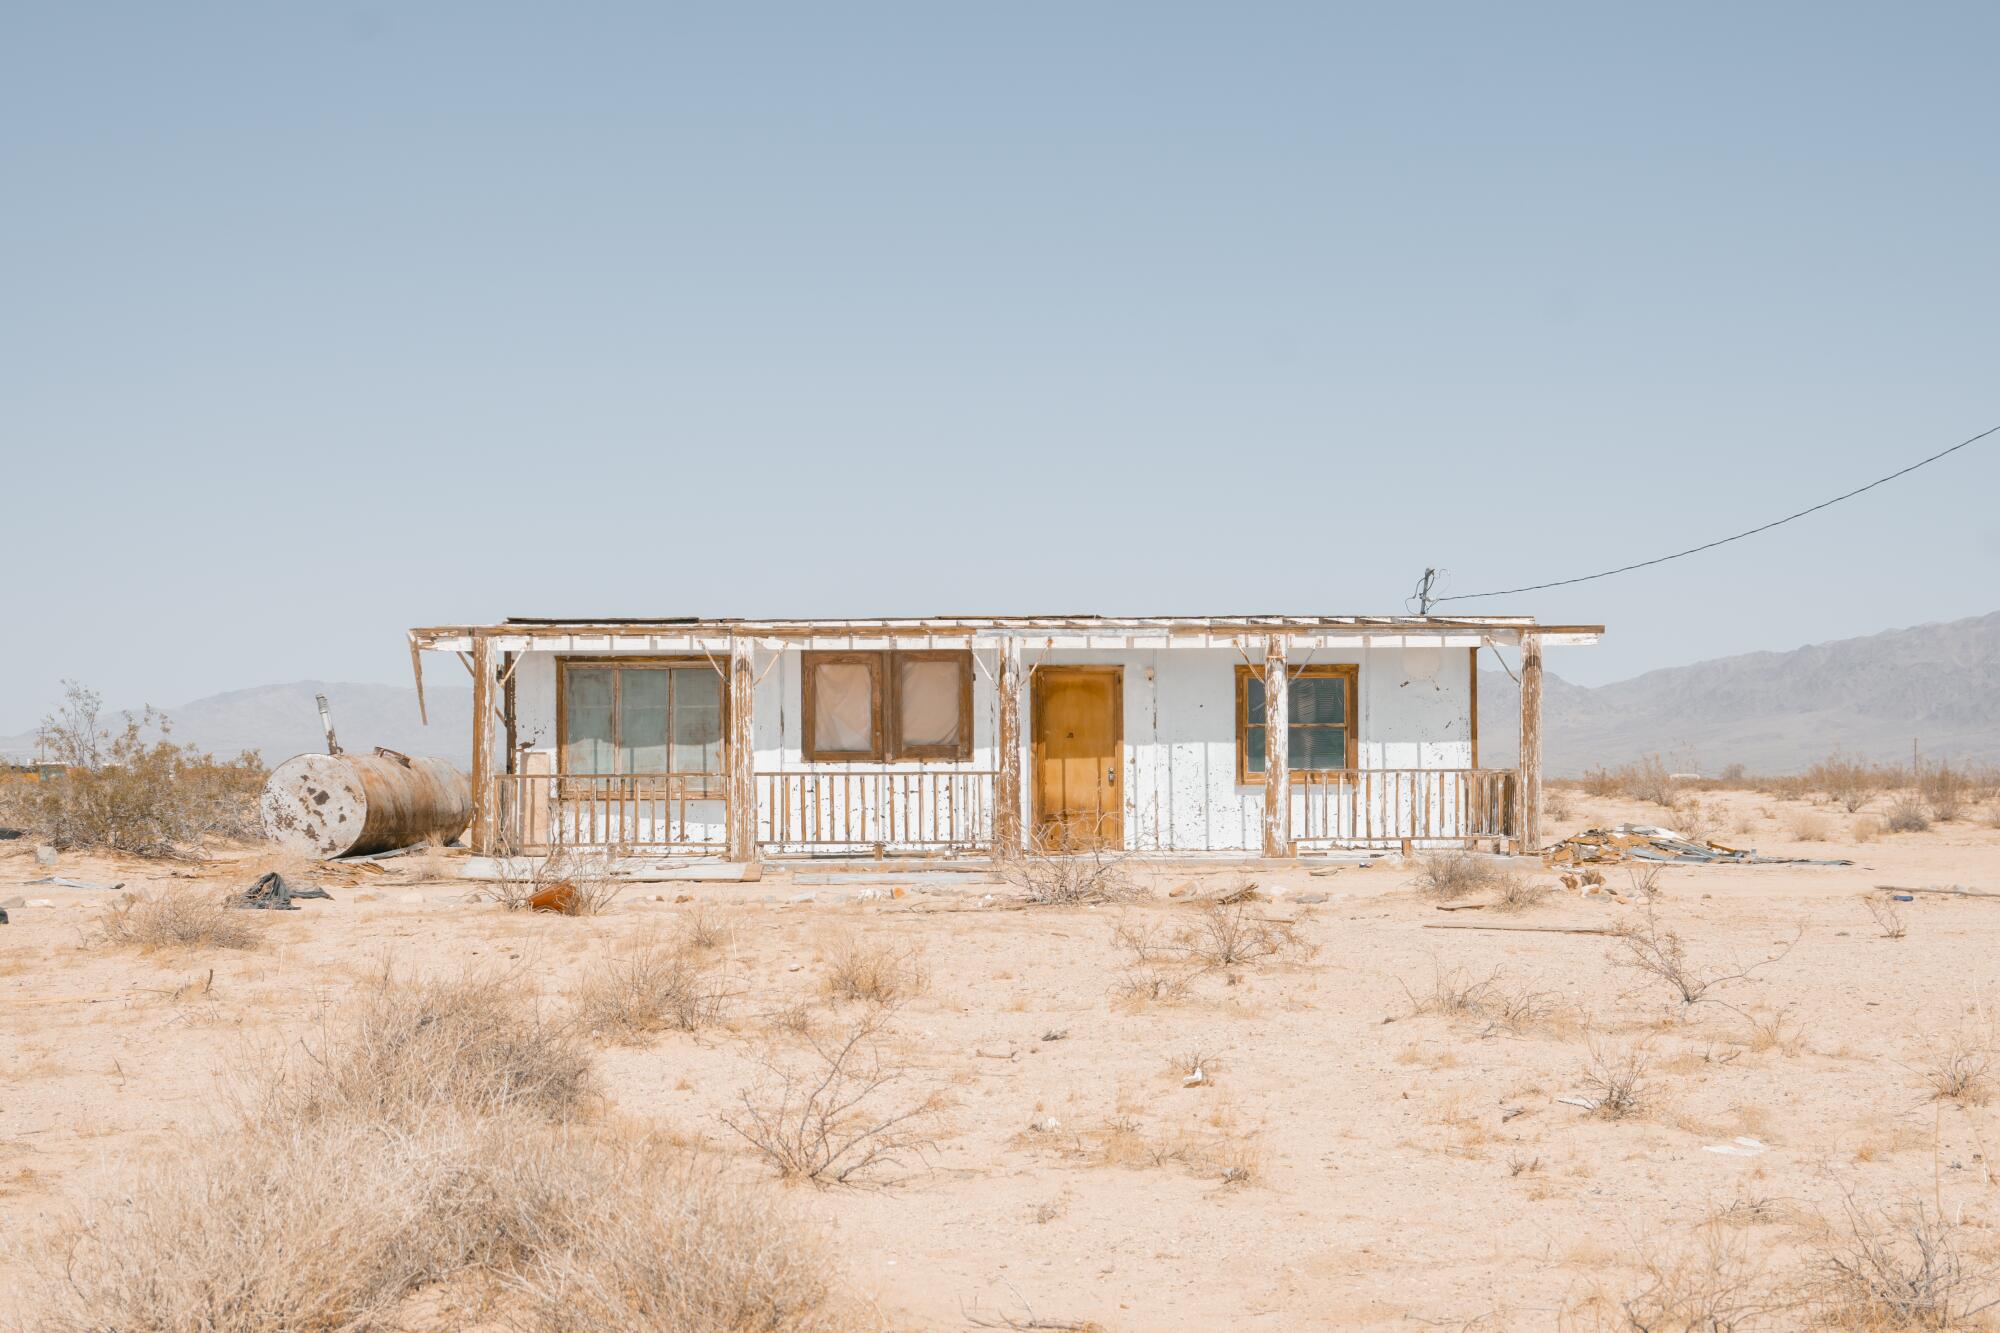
1111	777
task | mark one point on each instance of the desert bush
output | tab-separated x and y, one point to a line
471	1043
651	986
326	1227
1957	1064
1888	916
119	792
178	919
1602	783
859	968
1714	1286
1517	892
1455	993
1453	875
1651	947
1944	790
703	929
586	877
1804	826
1866	830
1231	935
1556	805
822	1124
1852	783
1900	1267
1909	815
1649	780
1616	1080
1052	872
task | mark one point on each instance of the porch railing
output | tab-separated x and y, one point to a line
1385	806
865	808
651	811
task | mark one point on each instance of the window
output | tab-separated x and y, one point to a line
894	705
1320	725
649	717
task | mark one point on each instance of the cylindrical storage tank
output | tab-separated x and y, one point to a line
329	805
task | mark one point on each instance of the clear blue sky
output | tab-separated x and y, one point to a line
319	321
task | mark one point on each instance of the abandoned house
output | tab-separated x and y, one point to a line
965	736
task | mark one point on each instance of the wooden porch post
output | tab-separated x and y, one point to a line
482	745
742	754
1277	750
1530	828
1007	837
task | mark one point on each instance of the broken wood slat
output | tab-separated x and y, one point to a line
1942	893
1542	930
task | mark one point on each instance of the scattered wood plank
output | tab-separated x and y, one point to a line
1542	930
1942	893
1461	907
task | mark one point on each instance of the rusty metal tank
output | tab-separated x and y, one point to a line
328	805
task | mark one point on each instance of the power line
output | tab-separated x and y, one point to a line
1429	575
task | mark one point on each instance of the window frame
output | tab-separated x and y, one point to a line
886	719
565	661
1349	672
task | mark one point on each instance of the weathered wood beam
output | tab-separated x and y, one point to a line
742	753
1007	822
483	794
1277	750
1531	744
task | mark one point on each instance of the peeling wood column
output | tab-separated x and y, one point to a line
1007	822
742	754
1530	827
482	745
1277	750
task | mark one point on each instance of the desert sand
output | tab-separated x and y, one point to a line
1342	1160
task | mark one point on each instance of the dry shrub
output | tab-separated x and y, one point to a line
1656	950
863	969
1154	985
1649	780
177	919
652	986
1888	916
1805	826
1231	935
1695	821
1454	993
1866	830
587	875
470	1043
1957	1064
1517	893
332	1226
1712	1286
1601	783
1909	815
1944	789
1453	875
1901	1267
1853	783
1556	806
119	792
1056	871
822	1124
1616	1079
704	930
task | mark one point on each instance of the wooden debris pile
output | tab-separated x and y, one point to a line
1645	842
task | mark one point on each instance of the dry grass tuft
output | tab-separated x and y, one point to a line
705	930
1453	993
1902	1267
586	877
859	968
1805	826
821	1125
1453	875
179	920
1957	1065
1909	815
1617	1080
331	1226
1054	872
471	1044
652	986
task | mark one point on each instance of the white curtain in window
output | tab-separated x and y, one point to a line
843	708
927	695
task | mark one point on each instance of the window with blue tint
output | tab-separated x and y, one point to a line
1319	726
651	718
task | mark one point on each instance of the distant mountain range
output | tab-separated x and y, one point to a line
1938	685
279	721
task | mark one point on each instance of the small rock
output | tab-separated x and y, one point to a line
41	902
1056	1034
1182	889
1047	1124
684	897
1312	897
804	897
793	967
899	892
15	902
45	856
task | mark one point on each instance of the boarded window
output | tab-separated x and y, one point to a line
641	718
1319	727
894	705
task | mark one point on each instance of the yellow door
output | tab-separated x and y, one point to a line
1078	735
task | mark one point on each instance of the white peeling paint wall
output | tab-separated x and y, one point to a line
1414	711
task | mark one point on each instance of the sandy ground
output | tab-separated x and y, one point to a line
1343	1163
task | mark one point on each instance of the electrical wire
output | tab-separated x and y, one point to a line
1720	541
